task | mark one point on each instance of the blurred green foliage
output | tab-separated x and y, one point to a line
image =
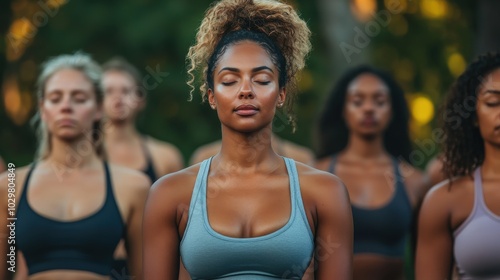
156	34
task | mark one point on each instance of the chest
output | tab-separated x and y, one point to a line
248	207
466	197
369	186
66	199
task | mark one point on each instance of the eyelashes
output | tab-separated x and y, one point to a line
264	83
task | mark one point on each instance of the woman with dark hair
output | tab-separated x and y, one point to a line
71	206
459	222
248	213
363	138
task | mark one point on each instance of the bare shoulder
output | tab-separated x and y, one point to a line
174	190
205	151
177	182
16	177
127	180
320	184
446	193
166	155
434	170
298	153
162	147
323	163
414	180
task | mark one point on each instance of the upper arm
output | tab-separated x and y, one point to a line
9	194
133	241
334	230
2	165
435	241
160	232
21	267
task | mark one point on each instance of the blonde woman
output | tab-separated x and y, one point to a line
72	206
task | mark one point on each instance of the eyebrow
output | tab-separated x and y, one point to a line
256	69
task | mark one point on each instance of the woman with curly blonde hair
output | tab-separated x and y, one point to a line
247	213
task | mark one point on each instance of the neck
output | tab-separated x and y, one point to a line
75	154
122	131
491	163
241	150
365	148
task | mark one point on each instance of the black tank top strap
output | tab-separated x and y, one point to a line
149	170
333	162
111	201
398	177
24	191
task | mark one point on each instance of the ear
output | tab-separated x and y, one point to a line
282	97
211	99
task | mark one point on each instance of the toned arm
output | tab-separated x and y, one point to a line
165	210
333	224
435	241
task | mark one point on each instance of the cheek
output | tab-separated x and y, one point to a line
48	111
352	114
486	116
385	112
87	111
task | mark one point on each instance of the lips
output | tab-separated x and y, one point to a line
246	110
369	122
66	122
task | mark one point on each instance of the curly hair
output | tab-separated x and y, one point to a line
278	23
463	146
332	134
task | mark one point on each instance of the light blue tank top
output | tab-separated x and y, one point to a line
282	254
477	240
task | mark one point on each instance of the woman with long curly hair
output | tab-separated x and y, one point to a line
248	213
459	223
363	138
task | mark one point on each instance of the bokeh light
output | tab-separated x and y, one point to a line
422	109
456	64
434	9
363	10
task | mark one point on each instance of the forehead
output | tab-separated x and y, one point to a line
117	76
245	54
367	83
491	81
68	79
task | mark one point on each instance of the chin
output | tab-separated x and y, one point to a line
369	135
69	136
118	118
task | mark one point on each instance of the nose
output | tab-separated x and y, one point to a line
246	91
66	105
369	106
